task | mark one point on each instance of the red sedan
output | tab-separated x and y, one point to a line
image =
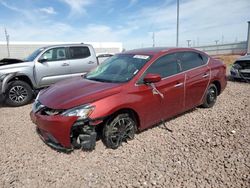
129	92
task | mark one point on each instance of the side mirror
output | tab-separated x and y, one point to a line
43	59
152	78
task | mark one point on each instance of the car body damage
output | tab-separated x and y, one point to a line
9	61
130	91
241	68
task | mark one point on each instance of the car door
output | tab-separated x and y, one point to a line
197	77
52	66
81	60
156	107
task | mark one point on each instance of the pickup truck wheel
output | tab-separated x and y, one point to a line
210	97
117	130
18	93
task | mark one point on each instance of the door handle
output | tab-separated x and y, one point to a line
91	62
205	75
65	64
178	85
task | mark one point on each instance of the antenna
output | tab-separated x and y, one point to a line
7	36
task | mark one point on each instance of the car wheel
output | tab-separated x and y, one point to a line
119	129
18	93
210	97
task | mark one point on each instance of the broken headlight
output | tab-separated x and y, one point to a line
82	112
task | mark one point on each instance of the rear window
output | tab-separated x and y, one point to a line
79	52
190	60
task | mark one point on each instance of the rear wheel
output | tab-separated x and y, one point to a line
119	129
210	97
18	93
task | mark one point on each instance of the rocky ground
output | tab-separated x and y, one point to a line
206	148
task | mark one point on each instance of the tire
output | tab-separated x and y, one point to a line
119	129
18	93
210	97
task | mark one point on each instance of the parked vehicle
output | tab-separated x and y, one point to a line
102	57
19	79
240	70
131	91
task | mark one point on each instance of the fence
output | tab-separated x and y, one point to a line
239	48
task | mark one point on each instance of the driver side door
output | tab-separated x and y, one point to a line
52	66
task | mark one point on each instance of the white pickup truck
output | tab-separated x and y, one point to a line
19	79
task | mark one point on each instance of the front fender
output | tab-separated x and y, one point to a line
5	82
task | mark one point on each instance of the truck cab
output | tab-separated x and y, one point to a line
19	79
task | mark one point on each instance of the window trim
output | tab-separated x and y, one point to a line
139	84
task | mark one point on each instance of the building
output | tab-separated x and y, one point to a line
21	50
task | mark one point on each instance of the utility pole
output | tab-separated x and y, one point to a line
188	42
153	37
177	26
7	36
248	38
216	43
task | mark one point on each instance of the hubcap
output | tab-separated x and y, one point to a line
121	130
18	94
211	96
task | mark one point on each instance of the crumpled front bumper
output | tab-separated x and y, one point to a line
240	74
54	130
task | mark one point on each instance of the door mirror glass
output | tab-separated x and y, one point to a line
152	78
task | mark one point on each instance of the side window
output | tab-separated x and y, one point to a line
164	66
54	54
79	52
204	58
190	60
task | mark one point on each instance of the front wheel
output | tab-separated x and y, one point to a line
119	129
18	93
210	97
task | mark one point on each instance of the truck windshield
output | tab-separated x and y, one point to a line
119	68
33	56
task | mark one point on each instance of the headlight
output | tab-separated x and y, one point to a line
81	111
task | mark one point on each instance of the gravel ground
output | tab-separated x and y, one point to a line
206	148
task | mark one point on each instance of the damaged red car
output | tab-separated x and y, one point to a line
129	92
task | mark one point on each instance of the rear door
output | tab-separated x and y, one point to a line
82	60
171	86
194	65
55	68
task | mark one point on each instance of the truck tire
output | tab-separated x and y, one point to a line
18	93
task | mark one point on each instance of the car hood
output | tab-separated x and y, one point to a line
13	66
75	92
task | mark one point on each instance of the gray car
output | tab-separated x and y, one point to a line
240	70
20	79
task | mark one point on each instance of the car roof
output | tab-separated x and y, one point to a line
65	45
246	57
158	50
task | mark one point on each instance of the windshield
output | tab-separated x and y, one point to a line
33	56
119	68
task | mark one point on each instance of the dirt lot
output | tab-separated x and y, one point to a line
207	148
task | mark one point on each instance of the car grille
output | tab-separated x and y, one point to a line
246	75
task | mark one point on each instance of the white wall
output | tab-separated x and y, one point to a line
21	50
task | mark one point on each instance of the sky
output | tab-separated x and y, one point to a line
131	22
